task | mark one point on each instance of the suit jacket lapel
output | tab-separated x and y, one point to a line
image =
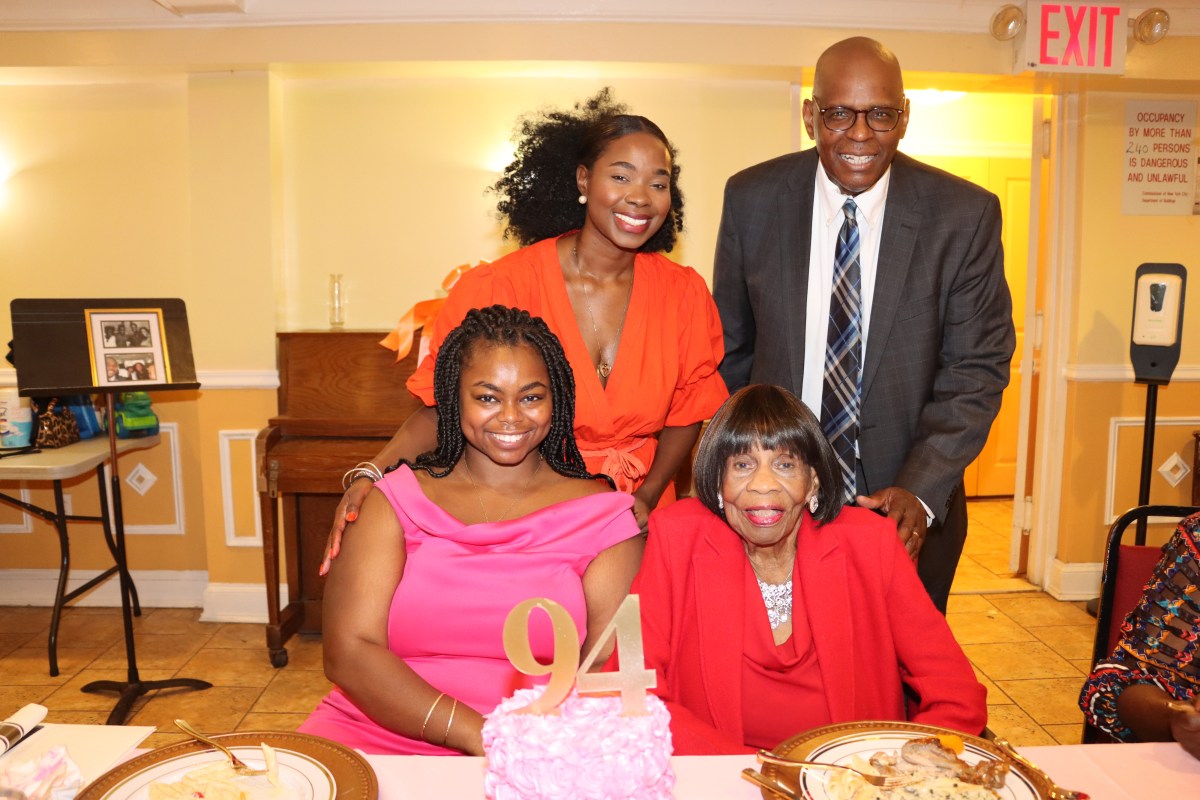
901	223
821	572
795	242
719	565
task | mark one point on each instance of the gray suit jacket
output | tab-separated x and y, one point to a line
941	335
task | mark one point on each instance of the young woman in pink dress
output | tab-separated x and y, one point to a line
504	509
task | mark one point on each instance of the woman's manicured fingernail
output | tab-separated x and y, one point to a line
324	568
351	516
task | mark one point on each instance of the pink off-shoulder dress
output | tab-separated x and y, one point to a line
460	582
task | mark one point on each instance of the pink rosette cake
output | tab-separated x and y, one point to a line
586	751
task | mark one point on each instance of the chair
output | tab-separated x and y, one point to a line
1127	567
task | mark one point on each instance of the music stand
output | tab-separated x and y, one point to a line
63	347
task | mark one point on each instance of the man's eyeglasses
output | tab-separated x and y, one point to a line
880	119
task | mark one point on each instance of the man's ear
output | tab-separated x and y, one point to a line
809	113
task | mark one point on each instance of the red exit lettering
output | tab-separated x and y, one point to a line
1081	43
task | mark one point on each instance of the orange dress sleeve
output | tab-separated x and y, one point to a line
700	390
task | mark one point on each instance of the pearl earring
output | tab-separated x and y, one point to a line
583	199
721	503
813	504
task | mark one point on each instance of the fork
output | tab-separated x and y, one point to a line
1056	792
765	757
239	766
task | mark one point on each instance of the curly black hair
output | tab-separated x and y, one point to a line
509	327
538	193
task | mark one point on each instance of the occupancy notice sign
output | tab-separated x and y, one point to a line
1160	157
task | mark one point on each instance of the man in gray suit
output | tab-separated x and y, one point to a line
933	332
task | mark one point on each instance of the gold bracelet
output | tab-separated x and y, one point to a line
437	700
453	708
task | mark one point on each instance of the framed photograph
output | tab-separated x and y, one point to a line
127	346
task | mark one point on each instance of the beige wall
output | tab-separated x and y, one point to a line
1102	465
279	156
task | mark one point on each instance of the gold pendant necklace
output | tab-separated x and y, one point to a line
517	499
604	368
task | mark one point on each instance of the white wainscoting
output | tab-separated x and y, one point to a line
170	435
219	602
238	602
1115	424
156	588
247	479
1080	581
26	525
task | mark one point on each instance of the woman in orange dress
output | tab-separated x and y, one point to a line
593	197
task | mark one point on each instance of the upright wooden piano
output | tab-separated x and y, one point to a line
341	396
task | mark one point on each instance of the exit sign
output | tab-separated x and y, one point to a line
1075	37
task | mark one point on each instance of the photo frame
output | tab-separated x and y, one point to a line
127	346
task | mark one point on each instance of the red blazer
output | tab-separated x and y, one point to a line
875	630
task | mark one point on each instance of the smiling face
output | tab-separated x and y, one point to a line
856	74
765	492
505	400
628	189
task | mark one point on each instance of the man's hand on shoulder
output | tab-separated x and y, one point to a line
903	507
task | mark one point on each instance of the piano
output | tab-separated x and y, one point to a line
341	397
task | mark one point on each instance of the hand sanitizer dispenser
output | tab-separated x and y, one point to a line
1157	321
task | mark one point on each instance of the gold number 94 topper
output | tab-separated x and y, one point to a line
632	679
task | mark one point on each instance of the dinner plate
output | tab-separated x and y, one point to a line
314	768
837	744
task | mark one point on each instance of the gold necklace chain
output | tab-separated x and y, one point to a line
511	505
604	368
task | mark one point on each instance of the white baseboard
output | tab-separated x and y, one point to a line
155	588
219	602
238	602
1079	581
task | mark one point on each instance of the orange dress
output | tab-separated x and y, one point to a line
665	372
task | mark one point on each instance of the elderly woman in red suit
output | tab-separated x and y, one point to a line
769	609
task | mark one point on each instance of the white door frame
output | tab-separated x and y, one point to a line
1048	449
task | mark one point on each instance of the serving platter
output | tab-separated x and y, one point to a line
310	767
838	744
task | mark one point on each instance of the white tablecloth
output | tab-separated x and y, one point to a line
1104	771
1155	771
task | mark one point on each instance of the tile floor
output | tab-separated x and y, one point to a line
1030	650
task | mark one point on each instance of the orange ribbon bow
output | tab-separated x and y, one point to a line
420	315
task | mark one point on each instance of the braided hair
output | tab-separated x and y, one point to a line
538	193
504	327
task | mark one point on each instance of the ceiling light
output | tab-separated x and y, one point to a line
1007	23
1151	26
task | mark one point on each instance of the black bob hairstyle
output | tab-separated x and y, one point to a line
499	326
773	418
539	197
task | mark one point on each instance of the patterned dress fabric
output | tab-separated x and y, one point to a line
1160	638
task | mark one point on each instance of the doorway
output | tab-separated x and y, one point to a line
993	473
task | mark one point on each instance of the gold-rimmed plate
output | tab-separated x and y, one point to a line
838	744
312	767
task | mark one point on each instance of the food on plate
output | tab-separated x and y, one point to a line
219	781
931	770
